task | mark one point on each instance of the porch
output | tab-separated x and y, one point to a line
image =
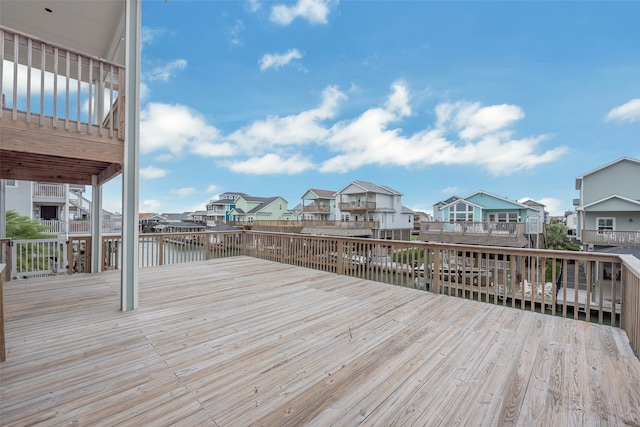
247	341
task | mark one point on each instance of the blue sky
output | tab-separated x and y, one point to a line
430	98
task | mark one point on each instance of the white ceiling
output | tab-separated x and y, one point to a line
94	27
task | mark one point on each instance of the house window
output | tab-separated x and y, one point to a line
461	212
606	224
10	183
345	217
507	216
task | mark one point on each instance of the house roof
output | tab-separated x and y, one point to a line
322	194
448	201
496	197
621	159
371	187
407	210
621	250
146	216
613	196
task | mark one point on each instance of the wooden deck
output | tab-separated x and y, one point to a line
242	341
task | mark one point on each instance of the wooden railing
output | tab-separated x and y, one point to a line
595	287
357	206
59	227
58	88
631	300
313	208
486	228
355	225
3	348
611	238
49	191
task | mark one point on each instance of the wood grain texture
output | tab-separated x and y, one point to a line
242	341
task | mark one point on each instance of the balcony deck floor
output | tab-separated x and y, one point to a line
242	341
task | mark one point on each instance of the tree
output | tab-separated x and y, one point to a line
558	239
22	227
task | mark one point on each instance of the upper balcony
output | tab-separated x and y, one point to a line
316	208
62	117
611	238
52	193
357	206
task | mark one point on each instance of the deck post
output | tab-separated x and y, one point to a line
3	210
130	191
96	225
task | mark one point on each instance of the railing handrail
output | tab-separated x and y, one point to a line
59	46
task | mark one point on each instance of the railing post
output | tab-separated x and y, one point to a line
3	349
160	249
207	246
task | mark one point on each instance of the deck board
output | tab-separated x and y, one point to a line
243	341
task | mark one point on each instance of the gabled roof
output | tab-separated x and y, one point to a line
622	159
613	196
322	194
407	210
448	201
495	196
372	188
458	201
263	202
148	216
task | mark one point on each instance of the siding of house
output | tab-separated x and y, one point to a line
621	178
19	198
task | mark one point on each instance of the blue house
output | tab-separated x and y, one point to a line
486	219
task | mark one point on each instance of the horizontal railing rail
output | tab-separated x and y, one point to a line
357	206
594	287
485	228
308	223
611	238
316	208
56	87
49	191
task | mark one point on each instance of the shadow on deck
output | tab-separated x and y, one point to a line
241	341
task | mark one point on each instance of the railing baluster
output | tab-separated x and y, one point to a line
43	68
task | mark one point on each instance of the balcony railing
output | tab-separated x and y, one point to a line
79	227
477	228
308	223
599	288
315	208
49	191
611	238
357	206
57	88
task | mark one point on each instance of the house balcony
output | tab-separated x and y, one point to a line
279	329
62	117
357	206
79	227
316	209
611	238
49	193
510	234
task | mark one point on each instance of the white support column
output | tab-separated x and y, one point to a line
96	225
129	278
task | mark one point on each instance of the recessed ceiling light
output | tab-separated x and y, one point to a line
48	10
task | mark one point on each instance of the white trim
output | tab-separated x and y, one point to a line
613	196
607	218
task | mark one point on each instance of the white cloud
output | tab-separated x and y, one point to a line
450	190
183	192
277	60
272	164
165	72
149	34
314	11
296	129
150	206
151	172
213	188
234	33
174	127
253	5
629	112
485	139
